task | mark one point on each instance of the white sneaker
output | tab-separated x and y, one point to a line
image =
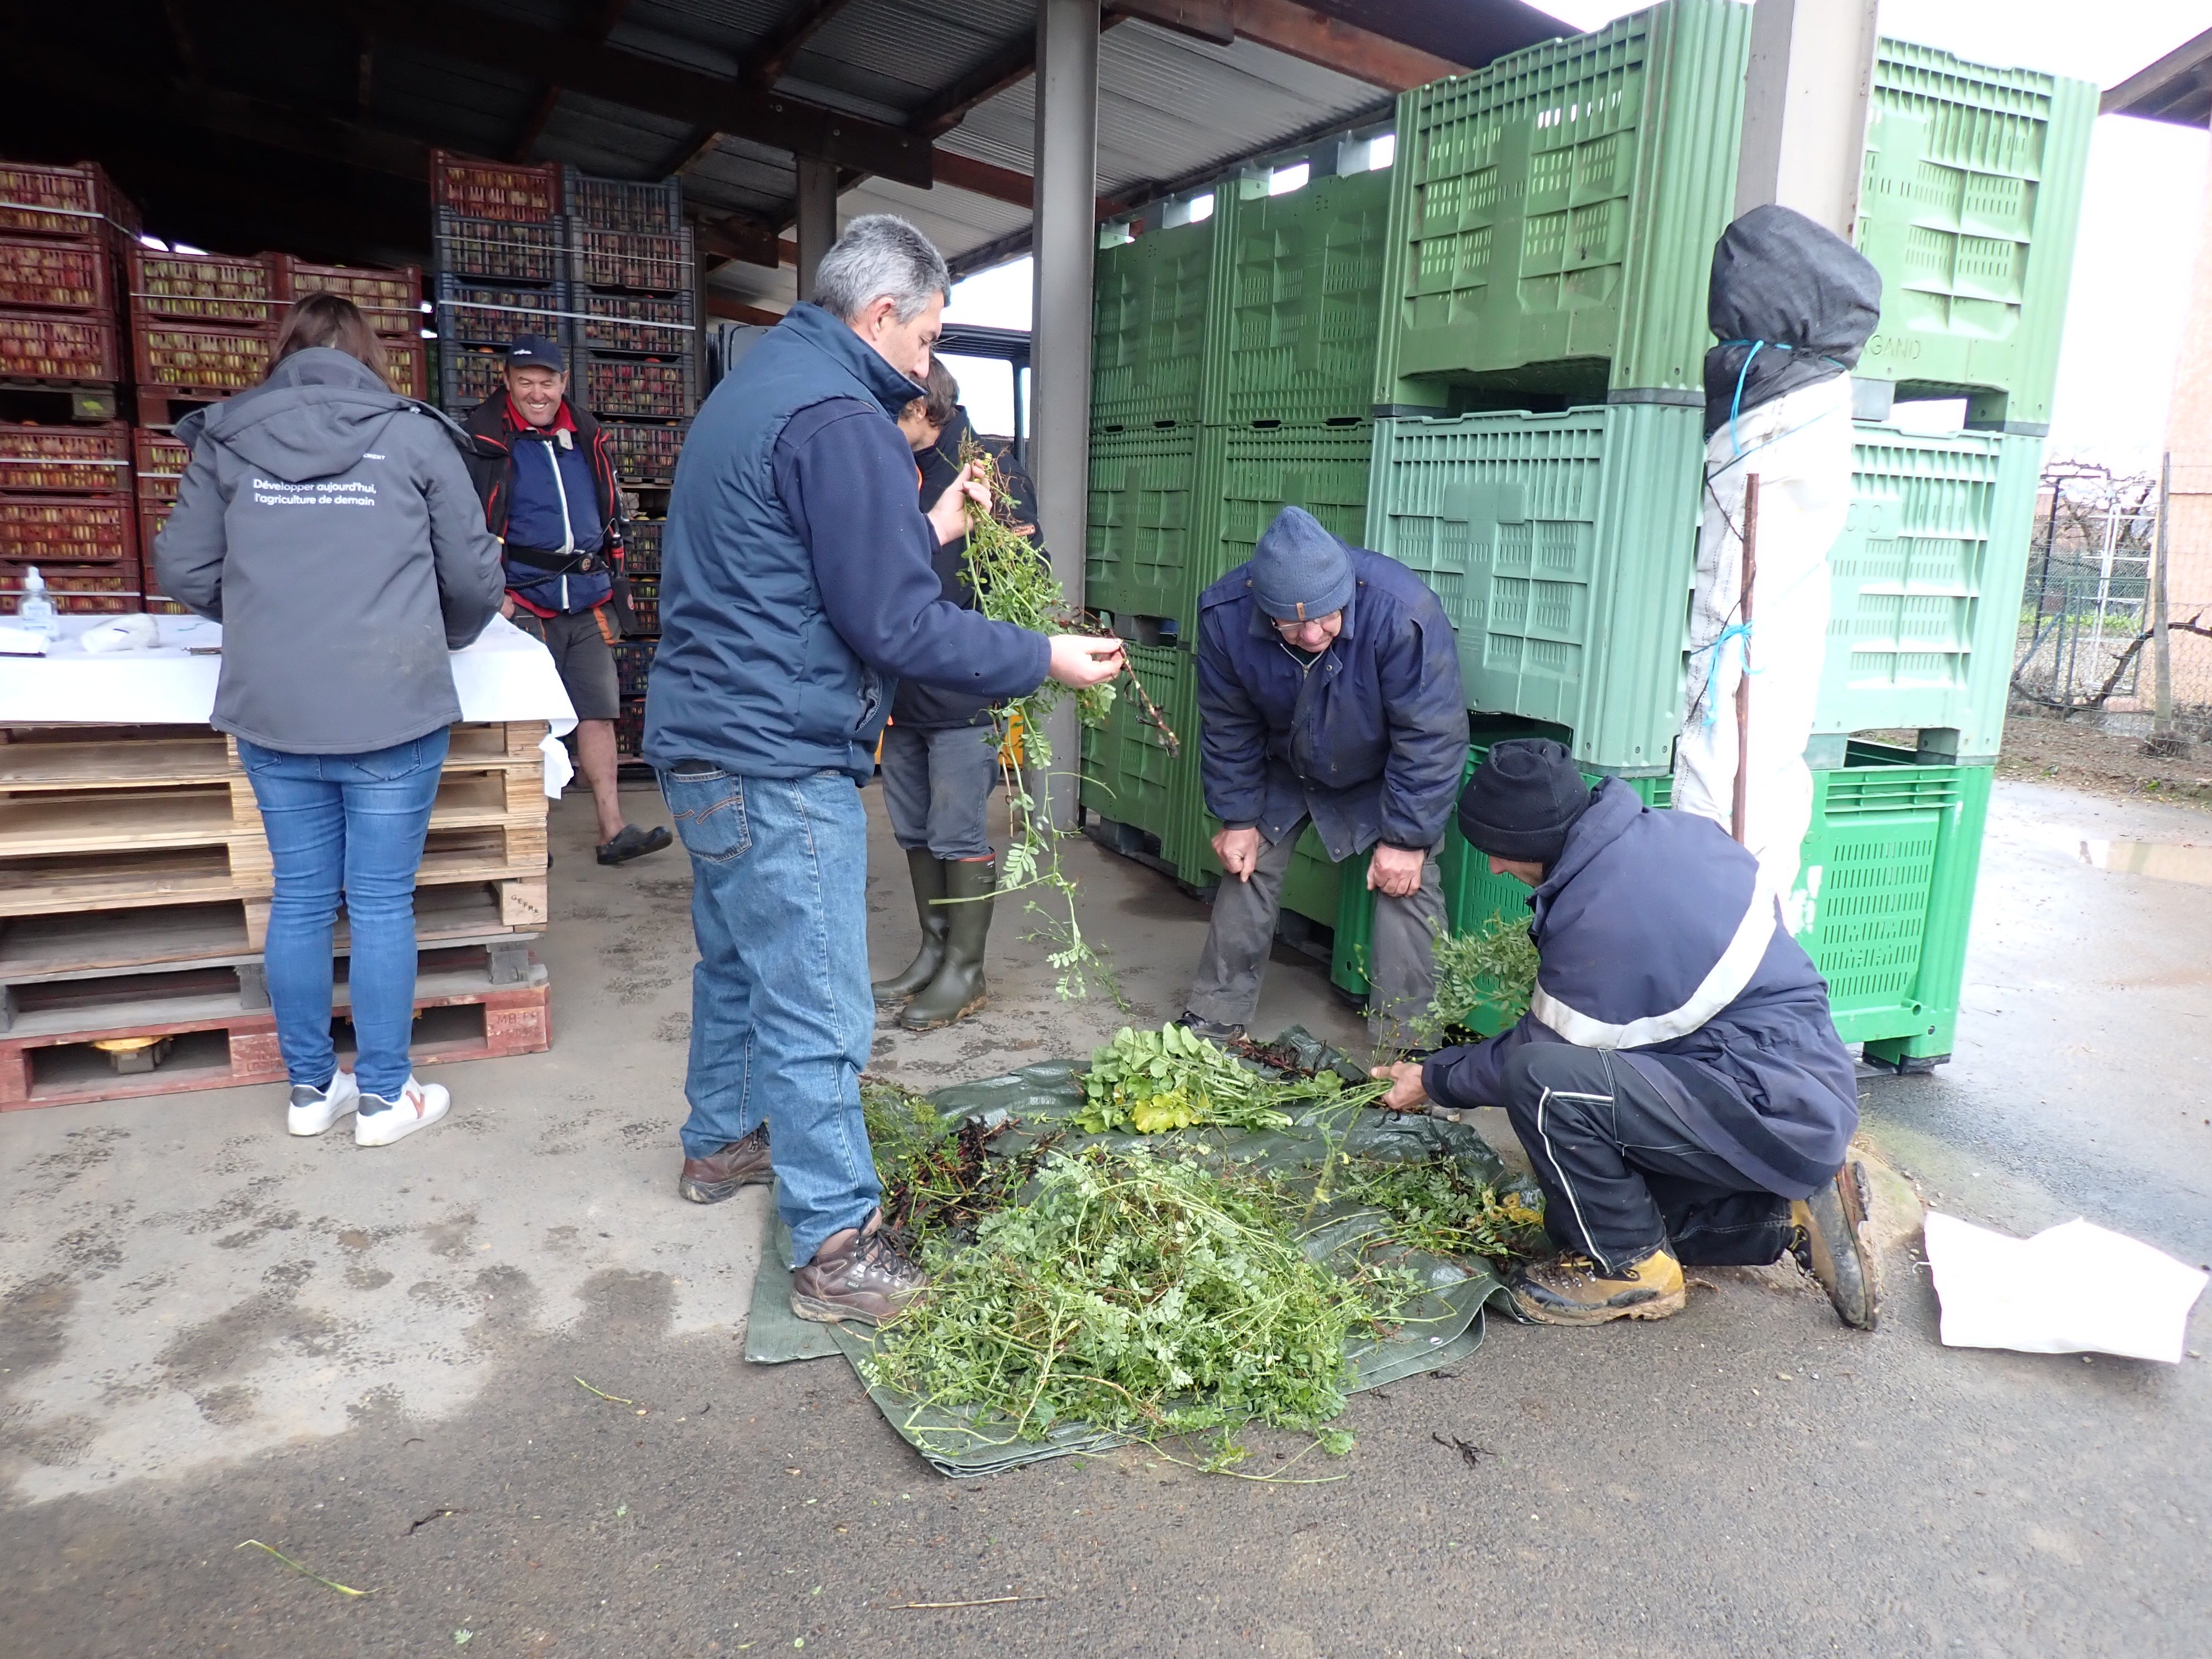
313	1110
381	1121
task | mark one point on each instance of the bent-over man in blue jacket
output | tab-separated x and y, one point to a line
1328	693
1677	1082
795	589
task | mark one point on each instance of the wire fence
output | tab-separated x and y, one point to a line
2087	636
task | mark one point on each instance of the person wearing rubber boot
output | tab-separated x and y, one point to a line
796	584
546	476
1677	1081
940	759
1328	693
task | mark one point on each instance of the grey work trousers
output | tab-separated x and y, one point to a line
1401	974
937	787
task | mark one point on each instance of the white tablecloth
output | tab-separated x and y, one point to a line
505	675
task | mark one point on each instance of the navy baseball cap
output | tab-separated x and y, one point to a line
536	351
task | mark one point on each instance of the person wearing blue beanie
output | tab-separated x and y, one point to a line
1329	695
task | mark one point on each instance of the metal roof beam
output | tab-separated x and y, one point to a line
652	84
2178	88
604	16
768	61
1299	31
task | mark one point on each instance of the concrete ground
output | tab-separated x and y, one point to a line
492	1375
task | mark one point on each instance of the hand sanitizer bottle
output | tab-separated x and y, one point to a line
36	612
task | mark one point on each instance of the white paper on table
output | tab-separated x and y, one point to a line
559	769
2076	1288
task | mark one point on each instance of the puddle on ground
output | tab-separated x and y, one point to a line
2166	860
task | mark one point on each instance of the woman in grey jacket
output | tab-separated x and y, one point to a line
331	526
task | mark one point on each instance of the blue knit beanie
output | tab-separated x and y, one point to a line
1299	571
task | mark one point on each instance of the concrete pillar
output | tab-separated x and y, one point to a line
1064	242
1805	108
817	218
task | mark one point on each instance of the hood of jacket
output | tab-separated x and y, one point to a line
318	412
1792	304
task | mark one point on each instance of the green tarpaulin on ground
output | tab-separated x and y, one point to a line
1446	1324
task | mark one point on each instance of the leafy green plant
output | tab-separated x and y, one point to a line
1148	1295
940	1174
1435	1207
1014	583
1494	967
1174	1079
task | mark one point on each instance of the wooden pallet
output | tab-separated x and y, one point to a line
215	1042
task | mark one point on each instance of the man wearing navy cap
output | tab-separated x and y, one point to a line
547	477
1677	1081
1328	693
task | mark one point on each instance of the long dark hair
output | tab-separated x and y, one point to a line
329	320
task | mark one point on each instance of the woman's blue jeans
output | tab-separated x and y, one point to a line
782	1015
351	824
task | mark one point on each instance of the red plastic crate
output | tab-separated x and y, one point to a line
158	462
392	299
39	271
115	576
71	458
57	345
73	203
153	513
212	362
68	529
208	289
407	367
494	190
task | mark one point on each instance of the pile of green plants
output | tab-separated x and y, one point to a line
1438	1208
939	1175
1172	1078
1144	1293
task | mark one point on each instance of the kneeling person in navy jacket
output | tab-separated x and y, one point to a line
1677	1081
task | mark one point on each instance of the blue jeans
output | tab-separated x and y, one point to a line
782	1015
355	824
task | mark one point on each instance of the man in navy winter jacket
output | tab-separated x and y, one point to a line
796	589
1677	1081
1328	693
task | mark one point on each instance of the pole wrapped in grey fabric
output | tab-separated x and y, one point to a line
1792	304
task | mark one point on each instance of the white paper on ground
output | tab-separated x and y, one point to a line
2077	1288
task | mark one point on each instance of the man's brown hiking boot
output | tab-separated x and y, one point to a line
1572	1290
711	1179
1830	1239
861	1276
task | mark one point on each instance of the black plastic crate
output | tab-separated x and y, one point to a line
630	727
656	388
614	258
645	452
653	324
633	662
622	204
467	374
641	546
494	314
500	249
645	604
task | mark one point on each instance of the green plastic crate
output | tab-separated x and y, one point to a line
1564	548
1152	299
1927	580
1884	895
1968	204
1146	521
1253	473
1296	311
1128	775
1553	215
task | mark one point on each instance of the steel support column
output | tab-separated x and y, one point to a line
1805	109
1065	240
817	218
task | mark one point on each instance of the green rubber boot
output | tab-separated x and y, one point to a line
957	990
929	875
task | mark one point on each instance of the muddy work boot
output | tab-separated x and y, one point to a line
1830	1239
957	990
744	1163
1213	1029
857	1275
927	874
1572	1290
